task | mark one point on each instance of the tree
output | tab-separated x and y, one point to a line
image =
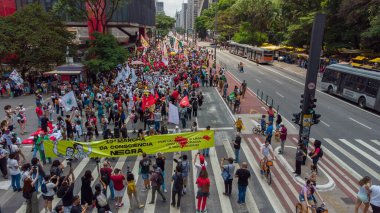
37	38
104	53
97	12
164	23
200	26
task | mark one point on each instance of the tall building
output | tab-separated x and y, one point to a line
192	12
183	15
178	19
160	7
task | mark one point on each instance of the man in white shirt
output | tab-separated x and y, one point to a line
375	198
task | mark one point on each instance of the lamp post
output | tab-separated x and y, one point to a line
215	30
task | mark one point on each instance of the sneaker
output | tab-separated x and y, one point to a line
141	206
165	190
164	200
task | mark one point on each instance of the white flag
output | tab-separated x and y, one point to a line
173	114
16	77
69	101
134	77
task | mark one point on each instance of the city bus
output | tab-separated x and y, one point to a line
260	55
238	49
357	85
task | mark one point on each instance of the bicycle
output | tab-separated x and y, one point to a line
321	209
258	130
265	170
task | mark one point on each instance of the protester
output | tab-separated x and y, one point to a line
66	191
144	168
105	178
206	151
363	194
50	183
132	191
86	191
243	176
160	162
237	147
203	183
202	163
77	207
177	180
283	135
14	171
227	174
30	194
185	168
156	180
100	199
118	180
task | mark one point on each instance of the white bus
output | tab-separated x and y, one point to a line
260	55
358	85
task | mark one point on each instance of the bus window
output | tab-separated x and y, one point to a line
330	76
372	87
360	84
350	82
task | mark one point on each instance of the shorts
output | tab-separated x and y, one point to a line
185	181
49	198
119	193
363	198
145	176
302	198
202	194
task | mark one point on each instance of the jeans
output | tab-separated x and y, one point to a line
228	186
206	151
154	189
242	189
237	155
16	181
39	121
112	190
183	123
39	181
157	125
282	146
163	186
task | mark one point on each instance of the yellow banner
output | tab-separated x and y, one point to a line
144	43
130	146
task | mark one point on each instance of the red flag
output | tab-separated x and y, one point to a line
184	102
148	101
156	96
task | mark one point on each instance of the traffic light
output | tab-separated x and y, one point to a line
312	105
316	118
296	118
301	101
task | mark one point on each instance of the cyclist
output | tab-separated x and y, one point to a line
306	197
266	150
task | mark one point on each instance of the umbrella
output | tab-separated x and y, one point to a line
137	62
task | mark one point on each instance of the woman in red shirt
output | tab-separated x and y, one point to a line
118	183
203	189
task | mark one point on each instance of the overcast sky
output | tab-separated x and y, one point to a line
170	6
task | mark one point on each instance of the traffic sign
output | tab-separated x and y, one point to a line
307	120
311	85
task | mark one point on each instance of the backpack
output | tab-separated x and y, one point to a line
102	200
43	187
184	169
159	179
55	171
226	174
178	183
320	153
104	177
131	187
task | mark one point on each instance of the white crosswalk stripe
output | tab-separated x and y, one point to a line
369	147
360	151
376	142
353	158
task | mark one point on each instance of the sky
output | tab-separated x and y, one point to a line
170	6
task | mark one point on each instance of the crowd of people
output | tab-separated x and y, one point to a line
105	107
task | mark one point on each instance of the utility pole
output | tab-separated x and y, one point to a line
215	30
307	117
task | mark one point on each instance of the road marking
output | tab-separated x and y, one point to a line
279	94
251	203
224	200
278	82
376	142
360	123
258	80
325	123
373	149
360	151
353	158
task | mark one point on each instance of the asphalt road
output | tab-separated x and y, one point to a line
342	123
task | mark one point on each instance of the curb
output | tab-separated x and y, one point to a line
330	185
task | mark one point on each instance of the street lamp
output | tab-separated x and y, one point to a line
215	29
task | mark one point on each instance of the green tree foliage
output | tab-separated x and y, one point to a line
201	27
164	23
349	23
38	38
104	53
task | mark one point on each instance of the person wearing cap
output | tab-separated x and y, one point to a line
156	174
283	135
202	163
